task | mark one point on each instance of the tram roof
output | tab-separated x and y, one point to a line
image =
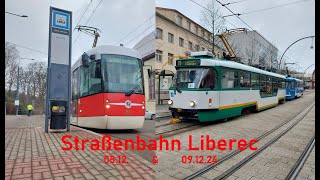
236	65
293	79
108	49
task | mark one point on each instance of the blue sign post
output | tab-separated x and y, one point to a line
58	96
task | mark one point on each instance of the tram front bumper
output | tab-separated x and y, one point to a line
125	122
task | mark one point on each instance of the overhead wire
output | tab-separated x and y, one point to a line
236	27
88	20
83	14
273	7
134	30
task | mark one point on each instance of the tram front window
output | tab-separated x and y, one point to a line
195	78
122	74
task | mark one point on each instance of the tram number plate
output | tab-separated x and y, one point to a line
190	85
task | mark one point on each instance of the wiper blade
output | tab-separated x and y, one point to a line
179	91
133	90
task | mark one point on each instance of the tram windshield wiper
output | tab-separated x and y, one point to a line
131	91
179	91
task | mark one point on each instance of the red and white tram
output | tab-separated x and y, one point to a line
107	89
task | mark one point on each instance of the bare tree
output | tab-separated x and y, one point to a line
251	54
11	65
212	20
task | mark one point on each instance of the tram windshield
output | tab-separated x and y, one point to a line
122	74
195	78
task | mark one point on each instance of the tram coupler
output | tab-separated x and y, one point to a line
175	120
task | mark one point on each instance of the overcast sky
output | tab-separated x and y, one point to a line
115	19
281	26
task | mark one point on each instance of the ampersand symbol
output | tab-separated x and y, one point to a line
155	160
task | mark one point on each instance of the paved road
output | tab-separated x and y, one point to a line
146	133
244	127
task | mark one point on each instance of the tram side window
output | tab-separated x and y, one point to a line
263	89
254	80
94	78
75	84
275	82
84	78
245	80
229	79
209	79
269	85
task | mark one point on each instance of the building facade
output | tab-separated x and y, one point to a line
146	47
252	48
176	35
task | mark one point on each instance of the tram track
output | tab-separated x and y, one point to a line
302	159
251	156
178	129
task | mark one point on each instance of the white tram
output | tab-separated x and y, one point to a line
213	89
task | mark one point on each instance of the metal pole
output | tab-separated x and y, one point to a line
28	94
293	44
213	31
17	93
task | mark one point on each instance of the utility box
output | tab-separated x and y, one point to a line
58	118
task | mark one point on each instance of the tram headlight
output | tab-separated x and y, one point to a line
192	103
107	106
142	107
170	102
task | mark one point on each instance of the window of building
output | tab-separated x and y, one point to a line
202	33
159	33
263	89
190	45
197	30
179	20
202	49
170	56
254	80
245	79
189	25
170	38
152	94
181	42
159	55
229	79
197	47
205	35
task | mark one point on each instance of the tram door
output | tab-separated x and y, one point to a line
75	95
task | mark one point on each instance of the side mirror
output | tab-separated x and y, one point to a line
85	60
149	73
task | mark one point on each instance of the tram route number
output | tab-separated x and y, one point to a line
199	159
115	159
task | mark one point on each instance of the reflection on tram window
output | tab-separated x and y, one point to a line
229	79
122	74
196	78
263	90
254	80
245	80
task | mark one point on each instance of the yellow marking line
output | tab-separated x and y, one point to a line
237	105
268	105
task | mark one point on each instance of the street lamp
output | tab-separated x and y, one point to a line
25	16
311	47
305	72
17	93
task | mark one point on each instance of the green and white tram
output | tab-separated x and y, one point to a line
213	89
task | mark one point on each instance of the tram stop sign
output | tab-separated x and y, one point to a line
59	61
